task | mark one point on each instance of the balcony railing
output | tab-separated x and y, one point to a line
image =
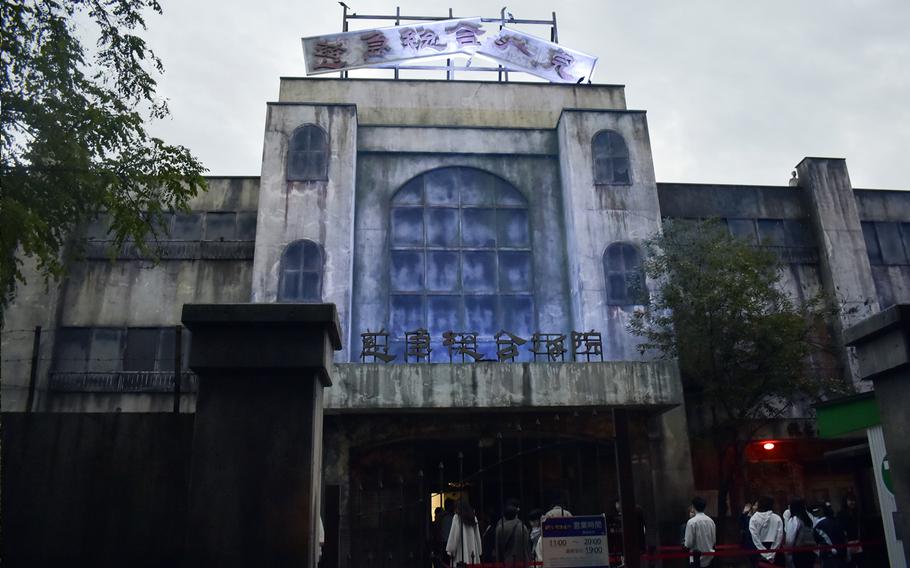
175	250
122	382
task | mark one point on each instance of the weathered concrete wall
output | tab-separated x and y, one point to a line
597	216
321	211
94	489
423	387
892	282
844	262
455	103
696	200
119	294
380	175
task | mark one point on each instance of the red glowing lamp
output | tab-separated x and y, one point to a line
769	445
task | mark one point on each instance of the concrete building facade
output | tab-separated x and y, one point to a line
451	206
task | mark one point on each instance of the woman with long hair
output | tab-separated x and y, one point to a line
799	534
464	544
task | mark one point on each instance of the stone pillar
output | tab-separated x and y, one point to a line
257	441
845	271
882	345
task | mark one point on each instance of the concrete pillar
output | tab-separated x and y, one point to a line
257	440
882	344
844	262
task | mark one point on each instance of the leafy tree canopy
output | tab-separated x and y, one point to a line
74	142
747	351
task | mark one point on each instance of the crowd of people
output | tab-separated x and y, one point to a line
807	533
463	537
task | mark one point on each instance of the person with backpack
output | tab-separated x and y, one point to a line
830	536
799	535
512	537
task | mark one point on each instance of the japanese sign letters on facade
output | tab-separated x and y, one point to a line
384	47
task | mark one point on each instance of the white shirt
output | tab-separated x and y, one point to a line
766	526
464	544
701	536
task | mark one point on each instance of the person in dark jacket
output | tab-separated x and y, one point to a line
512	537
848	518
829	535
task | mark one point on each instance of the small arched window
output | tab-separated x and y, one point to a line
300	278
308	154
611	158
624	276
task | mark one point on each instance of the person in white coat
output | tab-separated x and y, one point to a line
767	529
556	511
464	545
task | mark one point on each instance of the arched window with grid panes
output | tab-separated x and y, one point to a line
308	154
611	159
460	258
300	272
624	276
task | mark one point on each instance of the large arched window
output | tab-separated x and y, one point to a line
611	158
460	258
300	278
308	154
623	275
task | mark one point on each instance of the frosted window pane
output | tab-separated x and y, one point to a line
220	226
621	170
105	352
478	228
72	354
444	314
872	248
290	286
141	349
514	271
442	187
312	256
743	229
310	286
771	232
616	289
166	349
480	315
407	314
513	227
407	226
477	188
442	227
889	239
517	315
410	194
442	271
407	270
508	196
478	271
246	226
187	227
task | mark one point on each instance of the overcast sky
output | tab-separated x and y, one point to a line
736	92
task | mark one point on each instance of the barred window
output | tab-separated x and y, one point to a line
611	159
623	275
300	277
308	154
460	258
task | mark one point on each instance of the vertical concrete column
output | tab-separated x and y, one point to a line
845	270
257	440
882	345
321	211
